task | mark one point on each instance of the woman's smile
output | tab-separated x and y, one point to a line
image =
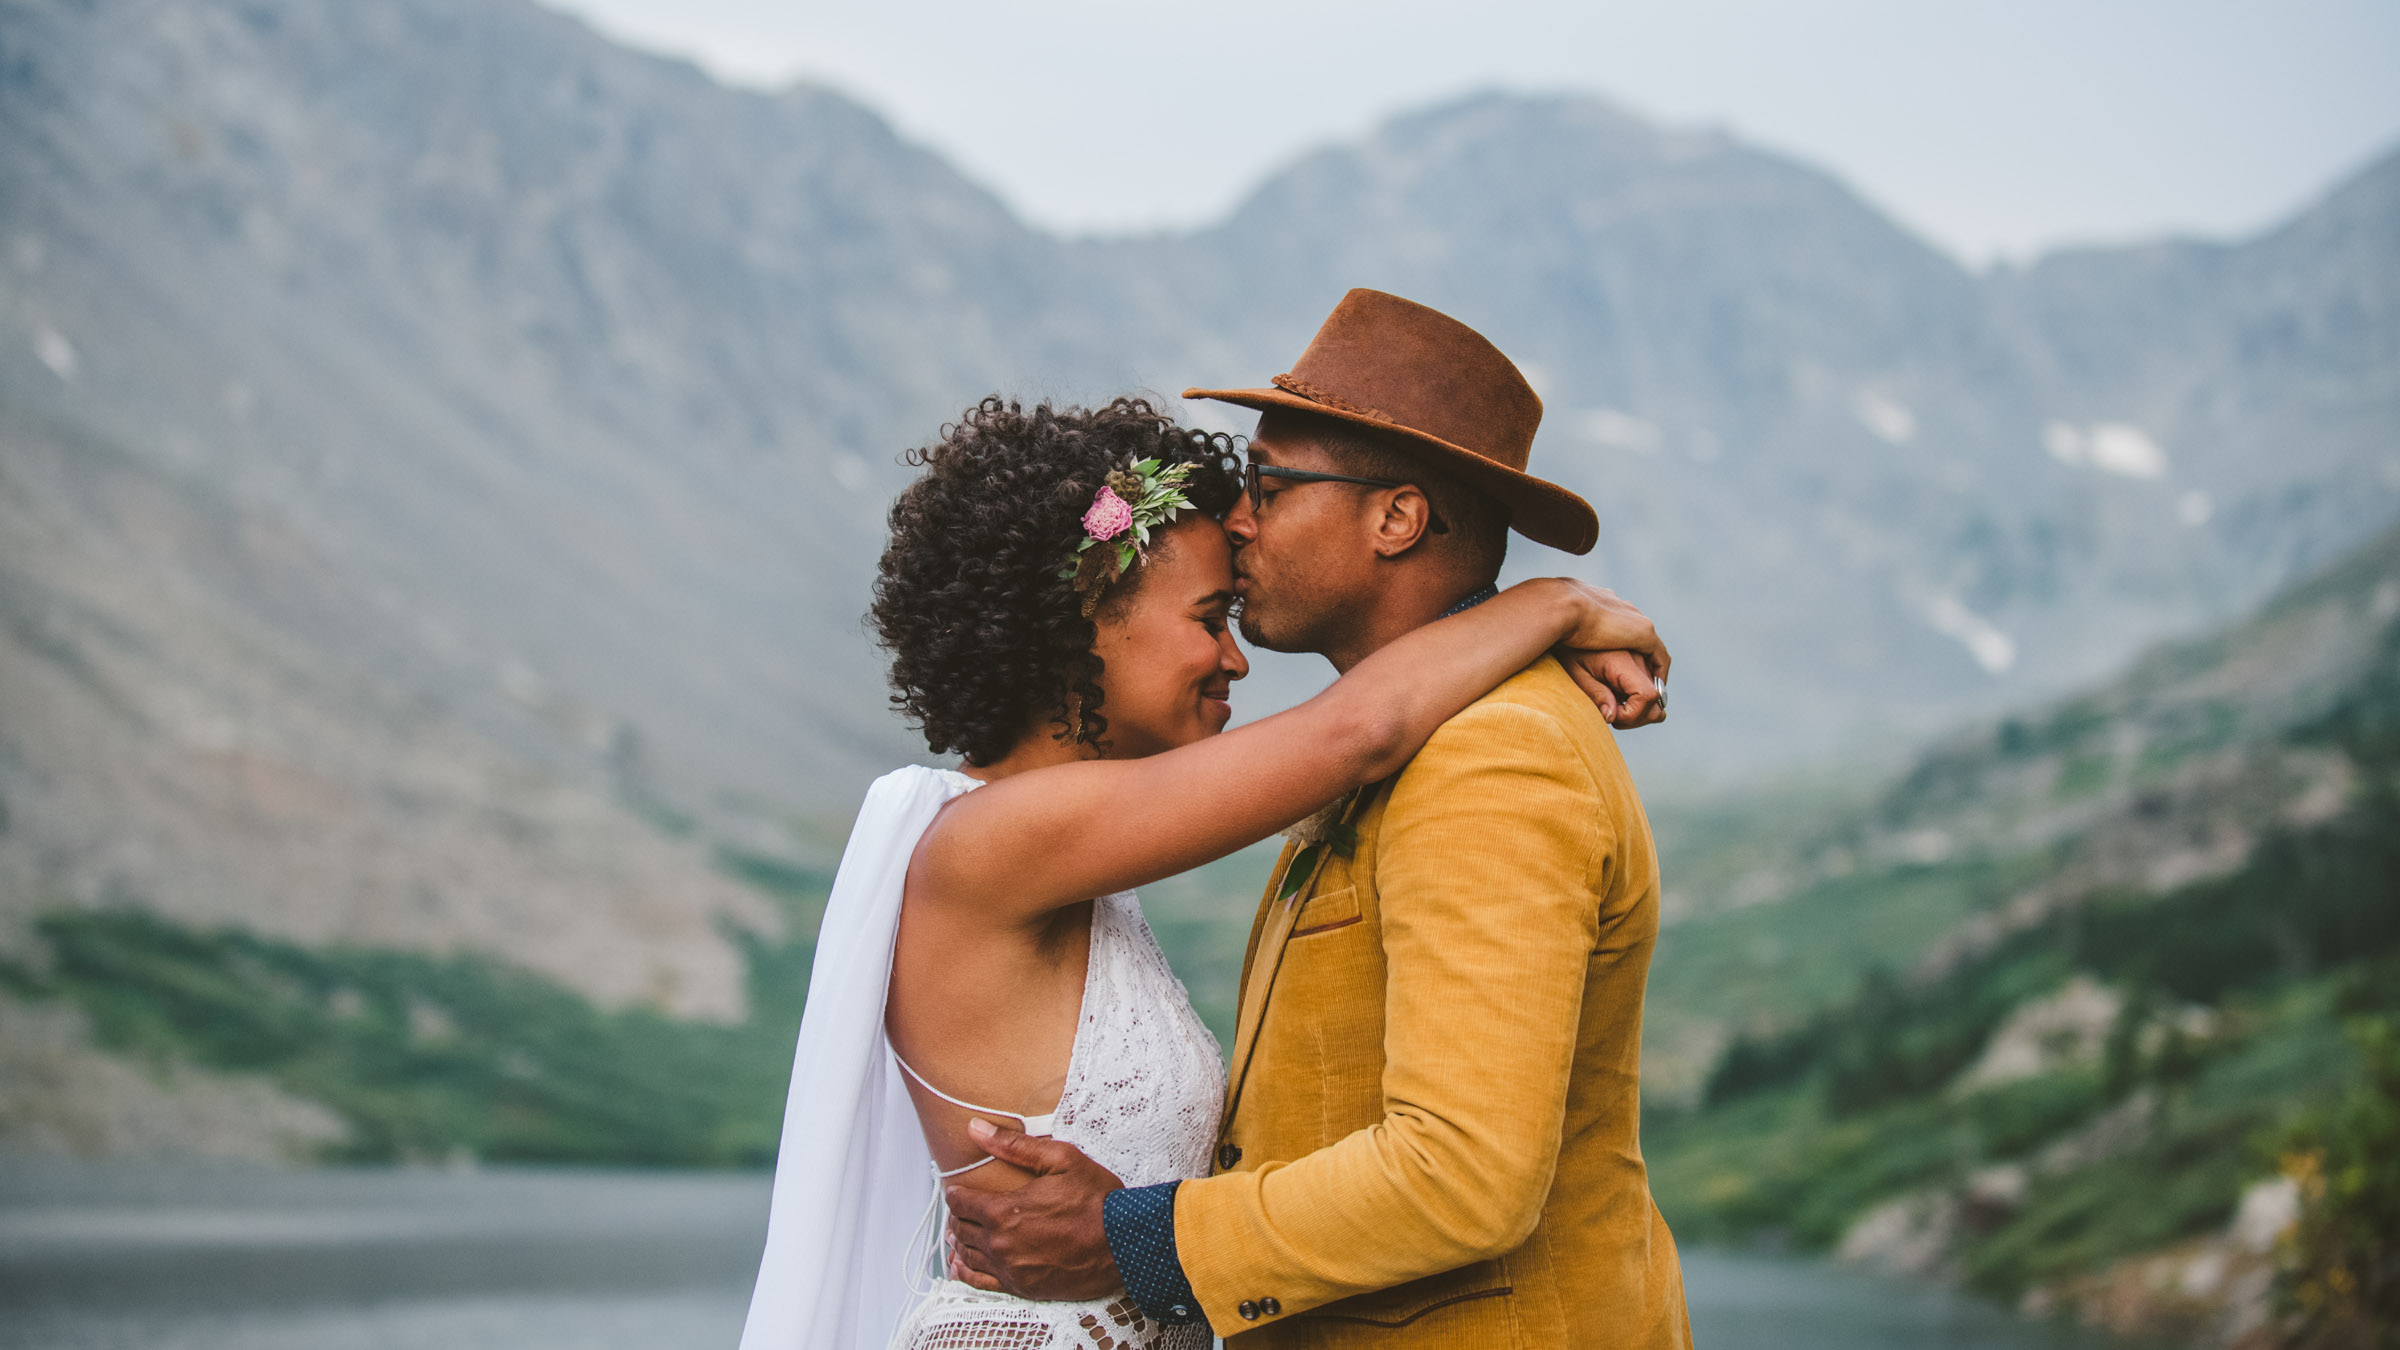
1216	703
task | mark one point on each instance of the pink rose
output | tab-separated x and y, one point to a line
1109	516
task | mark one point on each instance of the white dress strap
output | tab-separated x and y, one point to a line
1040	1127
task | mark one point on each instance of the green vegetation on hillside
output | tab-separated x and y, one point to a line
429	1057
2307	903
2087	1065
2344	1288
1756	966
1806	1130
433	1057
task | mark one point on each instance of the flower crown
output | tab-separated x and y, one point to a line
1133	501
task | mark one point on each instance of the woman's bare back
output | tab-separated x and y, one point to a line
987	1012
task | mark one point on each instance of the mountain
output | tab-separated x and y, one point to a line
426	467
2270	367
2049	1012
1807	431
2175	773
442	453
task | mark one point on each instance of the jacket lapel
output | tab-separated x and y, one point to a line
1268	935
1266	909
1263	965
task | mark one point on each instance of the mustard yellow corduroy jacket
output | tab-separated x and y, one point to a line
1432	1129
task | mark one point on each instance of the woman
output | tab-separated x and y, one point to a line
1055	597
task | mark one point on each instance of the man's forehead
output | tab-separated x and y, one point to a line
1273	444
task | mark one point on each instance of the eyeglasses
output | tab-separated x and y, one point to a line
1253	471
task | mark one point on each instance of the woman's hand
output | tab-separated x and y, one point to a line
1603	622
1614	653
1619	684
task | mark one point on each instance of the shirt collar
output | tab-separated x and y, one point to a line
1477	597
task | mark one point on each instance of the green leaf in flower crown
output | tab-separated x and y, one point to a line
1146	467
1125	557
1304	865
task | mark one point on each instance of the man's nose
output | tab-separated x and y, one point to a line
1241	526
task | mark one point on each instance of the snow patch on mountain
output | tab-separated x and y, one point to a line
1992	649
2111	447
1889	421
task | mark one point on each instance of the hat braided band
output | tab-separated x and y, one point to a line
1319	394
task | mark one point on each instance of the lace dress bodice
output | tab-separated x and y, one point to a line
1145	1085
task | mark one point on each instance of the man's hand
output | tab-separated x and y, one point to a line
1043	1240
1620	684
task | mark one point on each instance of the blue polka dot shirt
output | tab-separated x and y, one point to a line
1140	1221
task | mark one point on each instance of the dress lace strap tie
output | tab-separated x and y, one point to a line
1040	1127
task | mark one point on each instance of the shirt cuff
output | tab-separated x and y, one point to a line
1140	1222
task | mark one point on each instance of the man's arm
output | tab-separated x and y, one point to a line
1486	894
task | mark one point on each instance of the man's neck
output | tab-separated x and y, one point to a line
1397	615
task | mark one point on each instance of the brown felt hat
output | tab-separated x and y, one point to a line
1436	387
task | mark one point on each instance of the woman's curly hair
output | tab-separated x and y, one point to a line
985	635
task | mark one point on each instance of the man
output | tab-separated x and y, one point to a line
1431	1127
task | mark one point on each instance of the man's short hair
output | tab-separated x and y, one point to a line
1478	537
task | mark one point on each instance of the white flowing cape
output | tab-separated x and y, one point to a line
853	1176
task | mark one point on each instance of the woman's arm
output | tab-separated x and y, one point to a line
1054	836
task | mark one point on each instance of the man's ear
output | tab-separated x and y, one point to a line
1406	519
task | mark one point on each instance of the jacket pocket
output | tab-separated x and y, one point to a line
1326	912
1484	1284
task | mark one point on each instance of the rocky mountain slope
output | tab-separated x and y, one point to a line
444	452
2051	1013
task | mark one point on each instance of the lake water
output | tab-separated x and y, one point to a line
184	1258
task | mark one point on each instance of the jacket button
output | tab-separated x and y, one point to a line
1270	1307
1227	1156
1248	1310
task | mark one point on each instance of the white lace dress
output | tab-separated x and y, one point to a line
1145	1086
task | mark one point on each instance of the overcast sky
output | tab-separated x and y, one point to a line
1996	129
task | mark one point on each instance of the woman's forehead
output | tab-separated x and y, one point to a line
1195	546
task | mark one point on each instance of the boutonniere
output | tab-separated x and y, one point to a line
1322	832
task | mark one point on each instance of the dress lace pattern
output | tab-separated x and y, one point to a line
1145	1086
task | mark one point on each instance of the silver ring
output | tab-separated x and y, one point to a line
1661	682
